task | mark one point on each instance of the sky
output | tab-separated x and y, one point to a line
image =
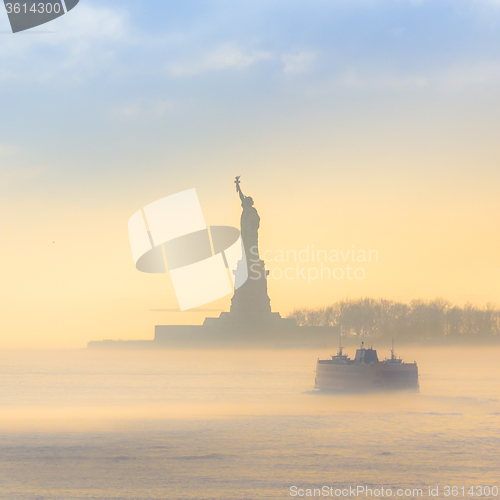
361	124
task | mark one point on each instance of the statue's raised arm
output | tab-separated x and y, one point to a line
238	189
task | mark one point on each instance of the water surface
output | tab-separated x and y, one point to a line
238	425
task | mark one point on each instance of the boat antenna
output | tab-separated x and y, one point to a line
392	350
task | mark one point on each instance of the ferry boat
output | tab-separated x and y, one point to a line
365	372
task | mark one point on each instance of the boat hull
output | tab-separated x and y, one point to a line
362	377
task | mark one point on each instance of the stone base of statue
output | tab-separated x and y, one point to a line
219	333
250	305
251	298
249	324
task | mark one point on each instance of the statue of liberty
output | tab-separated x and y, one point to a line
250	303
250	222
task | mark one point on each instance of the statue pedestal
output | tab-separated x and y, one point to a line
250	305
251	298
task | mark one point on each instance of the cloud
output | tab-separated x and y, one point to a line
96	23
128	111
12	170
230	56
21	174
143	108
494	3
6	150
298	63
73	46
354	79
453	77
463	75
226	56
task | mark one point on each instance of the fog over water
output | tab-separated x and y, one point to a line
238	425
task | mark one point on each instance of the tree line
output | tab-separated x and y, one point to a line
417	320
